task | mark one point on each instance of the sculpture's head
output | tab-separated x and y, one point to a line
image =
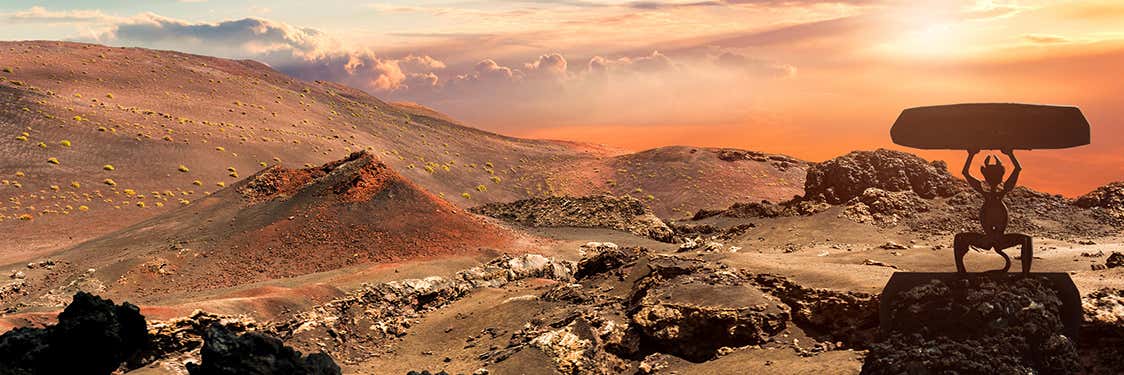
993	171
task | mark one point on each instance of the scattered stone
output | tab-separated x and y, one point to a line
17	275
1086	242
1098	267
1097	254
1114	260
891	245
871	262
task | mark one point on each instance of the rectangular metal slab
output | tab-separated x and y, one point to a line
991	126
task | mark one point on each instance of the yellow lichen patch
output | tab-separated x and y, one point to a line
220	184
64	143
22	138
83	208
140	204
53	161
183	168
55	187
26	217
481	188
185	202
220	149
197	183
42	145
75	184
466	196
109	167
110	182
130	192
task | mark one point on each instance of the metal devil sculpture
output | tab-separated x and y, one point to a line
992	126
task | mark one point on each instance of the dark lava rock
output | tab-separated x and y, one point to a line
607	259
599	211
845	177
682	309
1114	260
984	326
227	353
1109	196
93	336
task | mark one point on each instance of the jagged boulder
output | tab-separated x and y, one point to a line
227	353
845	177
693	316
600	211
92	336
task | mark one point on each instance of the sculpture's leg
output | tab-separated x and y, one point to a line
1027	247
960	245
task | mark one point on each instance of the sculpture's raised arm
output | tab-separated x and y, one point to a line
972	181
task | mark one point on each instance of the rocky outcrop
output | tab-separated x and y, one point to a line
838	180
1007	327
884	208
693	315
601	211
1102	332
685	307
92	336
229	353
1109	197
348	326
781	162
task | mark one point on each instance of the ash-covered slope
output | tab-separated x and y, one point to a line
277	223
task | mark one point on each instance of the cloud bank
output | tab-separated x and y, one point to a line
550	89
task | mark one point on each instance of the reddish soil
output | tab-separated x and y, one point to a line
271	226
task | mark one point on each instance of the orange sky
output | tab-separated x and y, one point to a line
809	78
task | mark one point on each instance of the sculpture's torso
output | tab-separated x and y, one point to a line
993	214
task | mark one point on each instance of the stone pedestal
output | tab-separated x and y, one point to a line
975	323
1061	282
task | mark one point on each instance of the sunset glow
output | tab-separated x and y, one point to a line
813	79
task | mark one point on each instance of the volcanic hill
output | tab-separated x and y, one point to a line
277	223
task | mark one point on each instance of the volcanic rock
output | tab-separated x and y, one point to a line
984	326
228	353
1114	260
838	180
694	315
92	336
1109	197
601	211
883	207
1102	332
